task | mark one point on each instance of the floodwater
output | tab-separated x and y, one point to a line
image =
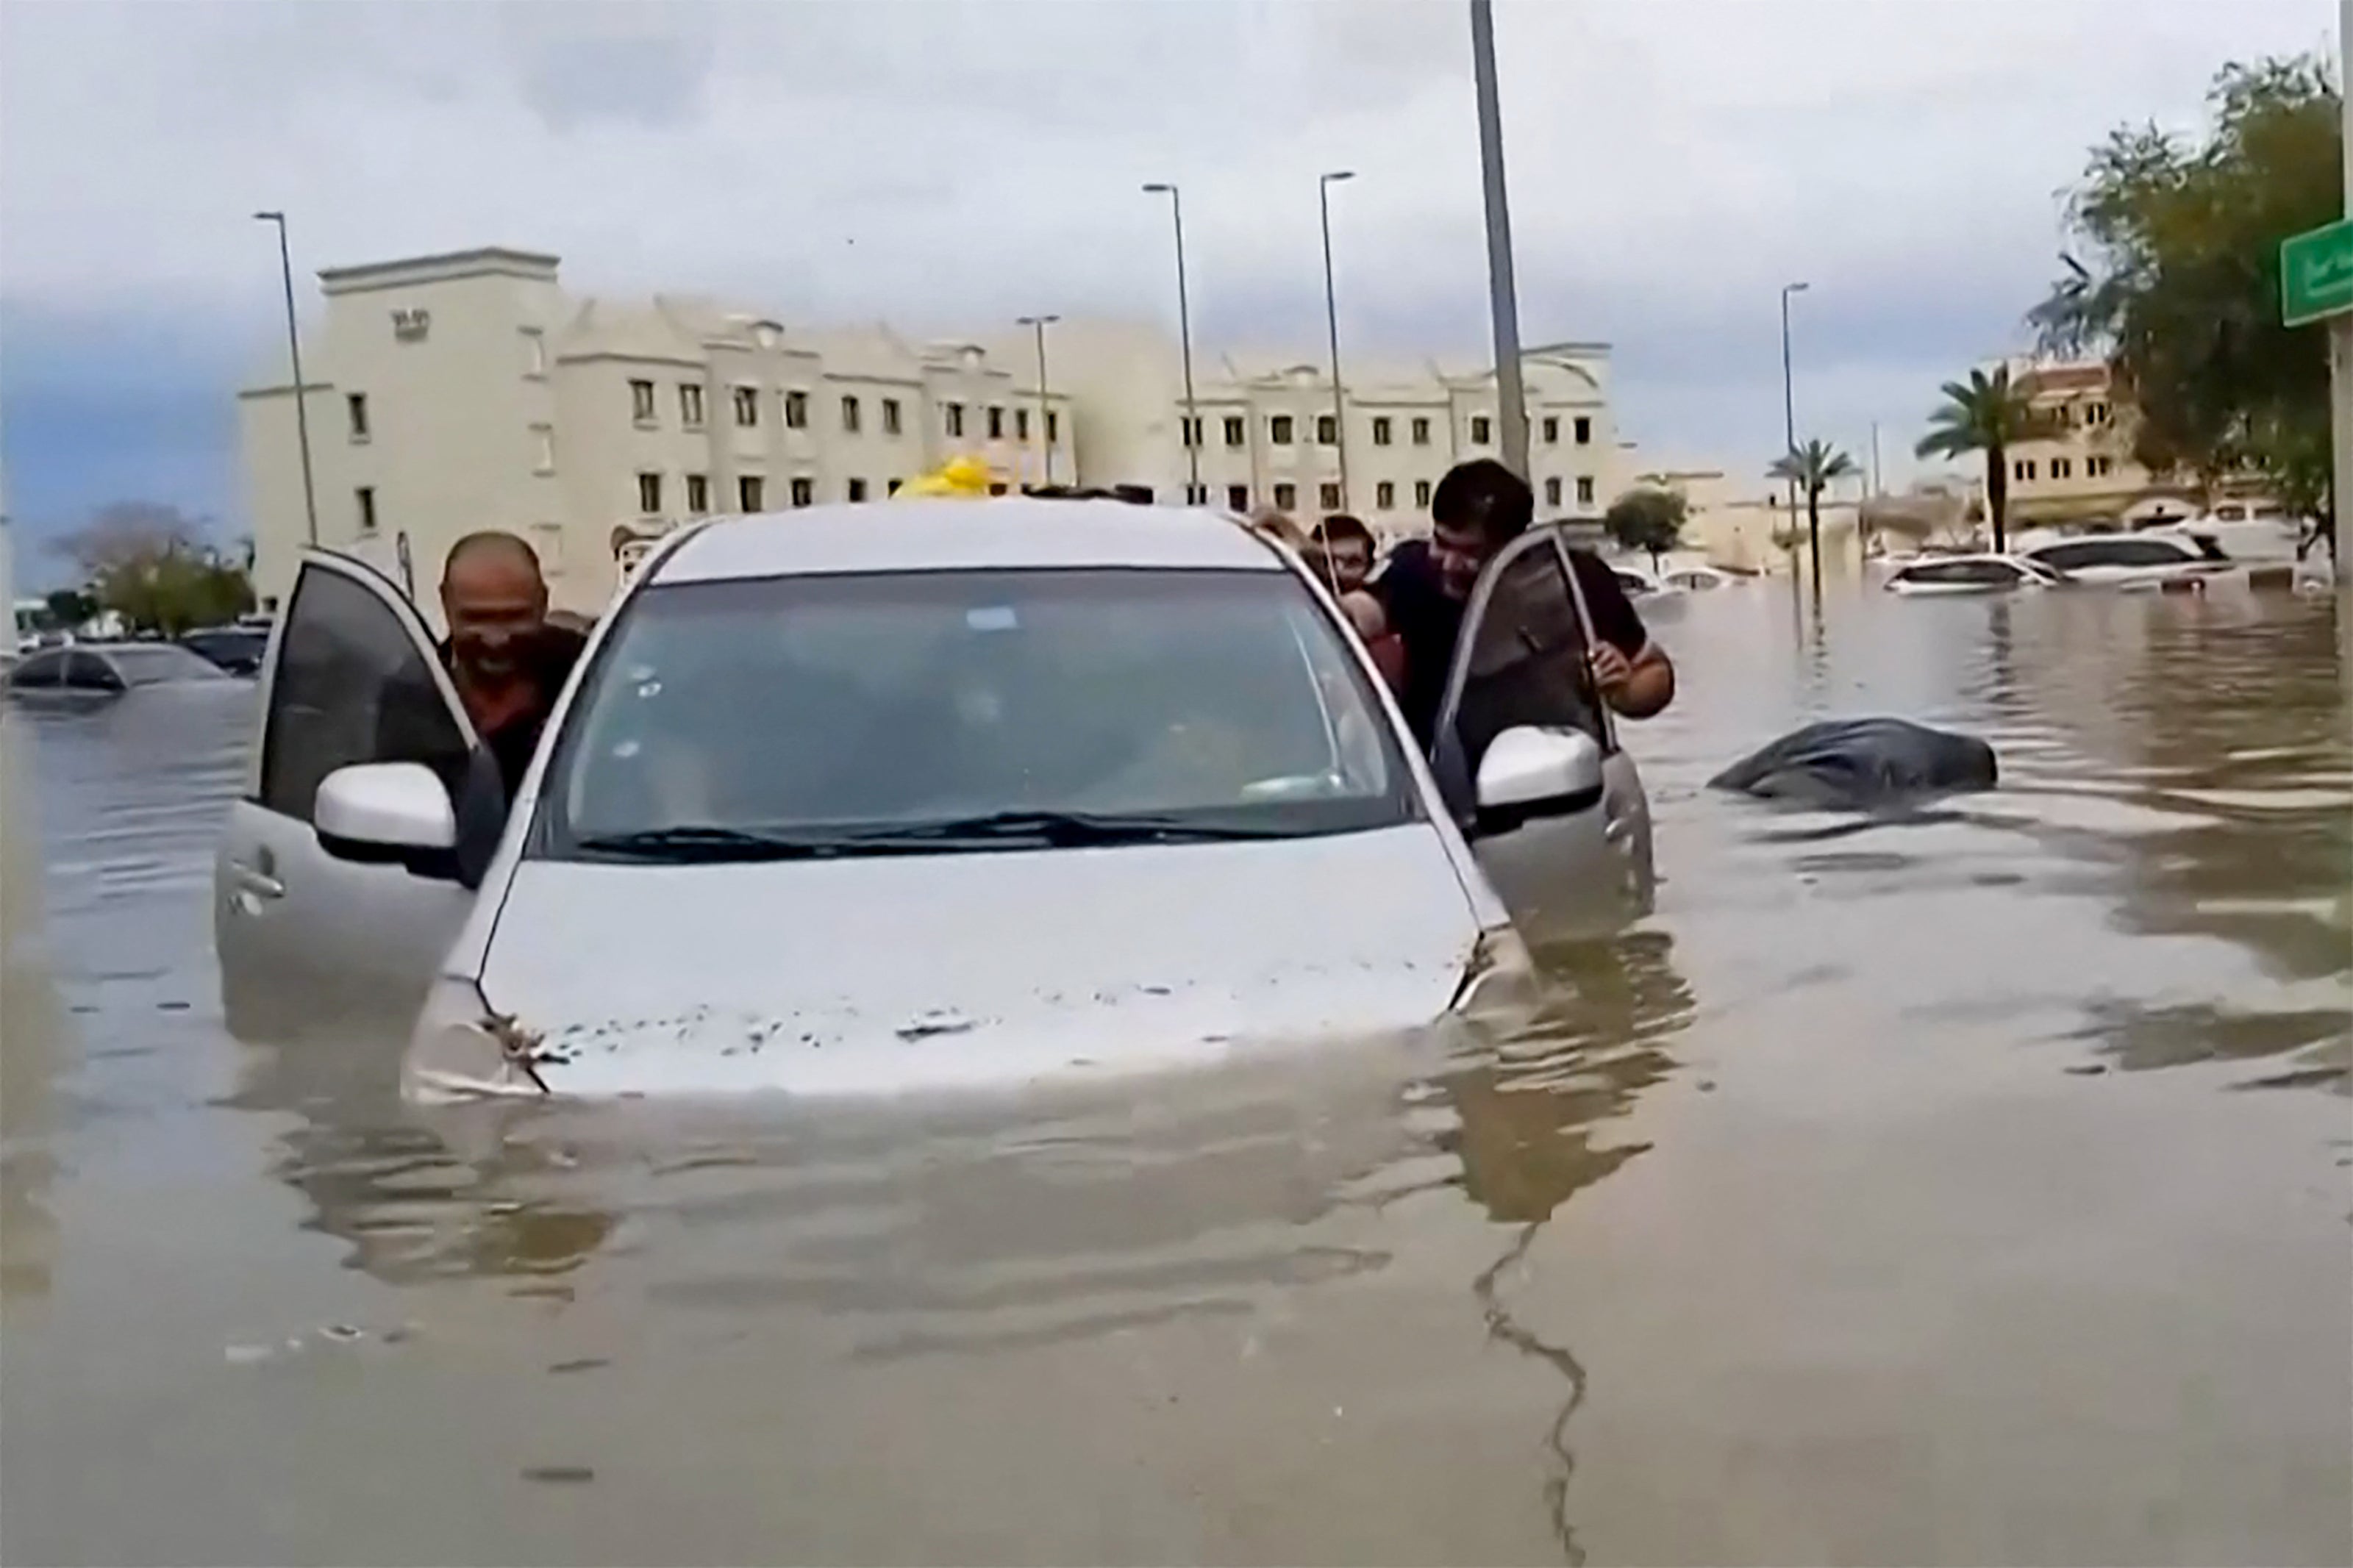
1968	1188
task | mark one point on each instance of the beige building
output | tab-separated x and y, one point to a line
452	392
2085	470
1748	525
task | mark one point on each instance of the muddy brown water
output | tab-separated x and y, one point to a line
1970	1188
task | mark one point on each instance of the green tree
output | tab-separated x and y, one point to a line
2175	278
147	562
1986	413
1647	517
1811	467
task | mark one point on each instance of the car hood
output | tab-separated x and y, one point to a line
905	972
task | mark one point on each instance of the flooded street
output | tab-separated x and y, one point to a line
1972	1187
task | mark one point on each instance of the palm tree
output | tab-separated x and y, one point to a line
1986	413
1811	467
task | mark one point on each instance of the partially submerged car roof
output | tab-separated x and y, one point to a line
963	535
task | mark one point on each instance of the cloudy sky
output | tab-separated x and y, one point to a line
951	163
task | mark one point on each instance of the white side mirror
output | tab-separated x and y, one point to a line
385	810
1535	772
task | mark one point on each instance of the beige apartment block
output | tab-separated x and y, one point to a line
2085	470
447	393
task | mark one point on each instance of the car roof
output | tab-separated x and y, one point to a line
967	536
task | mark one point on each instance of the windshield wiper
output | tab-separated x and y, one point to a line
694	843
1062	830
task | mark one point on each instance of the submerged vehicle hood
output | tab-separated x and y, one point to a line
889	974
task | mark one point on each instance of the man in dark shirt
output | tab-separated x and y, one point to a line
1480	507
508	662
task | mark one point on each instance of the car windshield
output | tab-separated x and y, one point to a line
148	664
968	710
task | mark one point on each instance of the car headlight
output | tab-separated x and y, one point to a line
462	1048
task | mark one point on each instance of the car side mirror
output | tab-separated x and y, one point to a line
1532	772
390	814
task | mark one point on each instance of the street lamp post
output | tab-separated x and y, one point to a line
1045	432
1324	184
1185	343
1503	298
1789	395
302	393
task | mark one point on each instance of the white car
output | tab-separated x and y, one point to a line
862	798
2150	558
97	671
1704	579
1929	574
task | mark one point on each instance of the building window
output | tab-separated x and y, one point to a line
649	495
1483	430
804	492
1585	489
355	406
2096	414
1277	430
889	416
542	457
1584	431
1420	490
1381	430
1197	495
1189	430
751	493
995	422
1328	496
1385	495
747	406
698	493
365	497
855	490
891	486
1236	430
1420	432
849	414
2063	467
690	405
641	402
1552	491
952	418
2098	467
534	352
1285	497
796	410
1053	427
1238	498
996	487
1327	430
1021	425
1552	429
547	544
2022	471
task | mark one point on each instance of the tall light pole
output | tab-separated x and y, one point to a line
1324	184
302	393
1185	343
1502	296
1045	434
1789	393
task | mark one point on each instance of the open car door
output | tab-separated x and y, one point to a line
305	938
1526	753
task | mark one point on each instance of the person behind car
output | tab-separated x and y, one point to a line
507	659
1480	507
1342	553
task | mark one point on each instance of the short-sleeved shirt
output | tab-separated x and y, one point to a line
1429	621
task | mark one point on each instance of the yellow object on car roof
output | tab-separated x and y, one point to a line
956	476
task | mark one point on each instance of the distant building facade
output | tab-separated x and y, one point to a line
2085	471
452	392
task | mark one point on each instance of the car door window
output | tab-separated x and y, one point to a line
88	672
1522	659
352	686
42	672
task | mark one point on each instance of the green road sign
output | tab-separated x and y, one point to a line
2316	274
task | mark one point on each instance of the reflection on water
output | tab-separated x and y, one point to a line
1887	1196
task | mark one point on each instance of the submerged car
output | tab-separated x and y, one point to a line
236	649
1940	575
95	671
863	798
2134	559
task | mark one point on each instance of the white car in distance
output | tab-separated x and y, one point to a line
2134	559
1943	575
864	798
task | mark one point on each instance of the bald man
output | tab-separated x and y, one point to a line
508	661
